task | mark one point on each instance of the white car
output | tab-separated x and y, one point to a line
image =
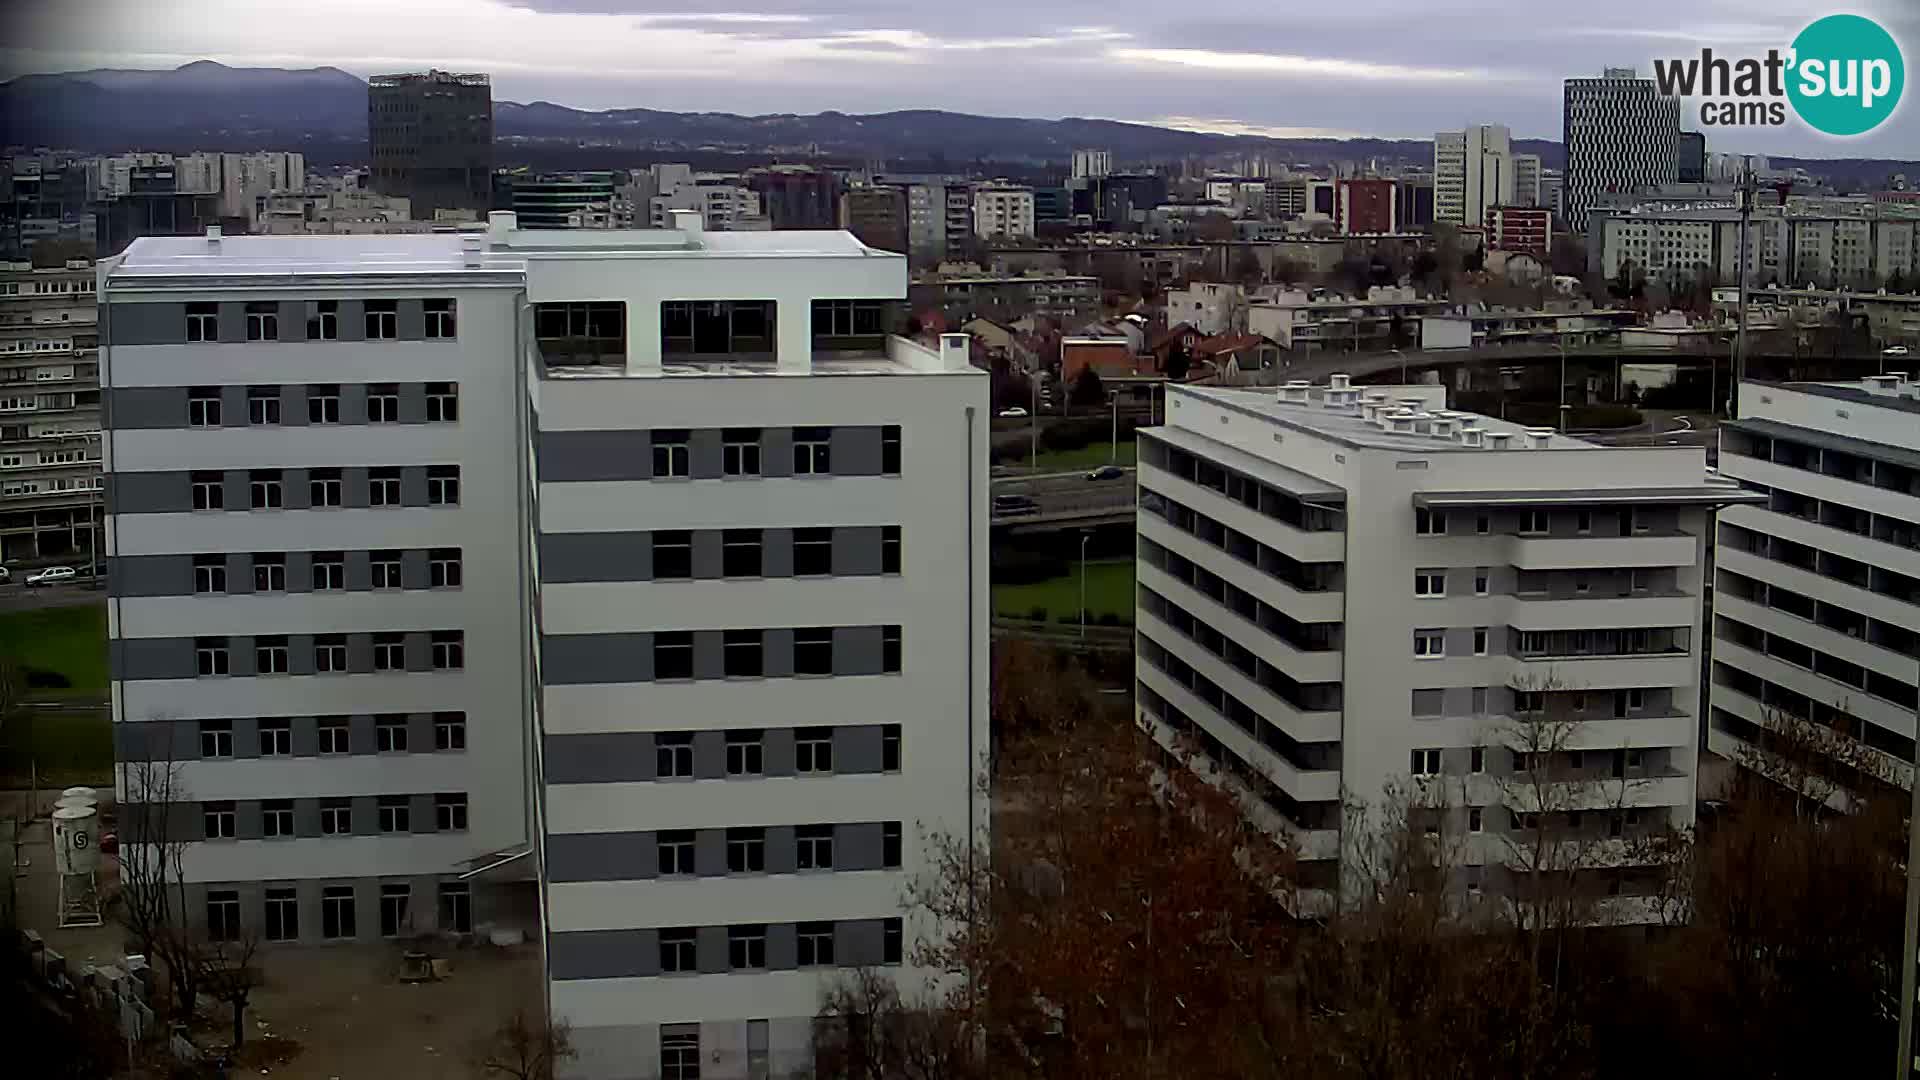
6	575
52	575
1016	411
1894	350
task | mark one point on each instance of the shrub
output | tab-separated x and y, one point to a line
1037	614
42	679
1017	566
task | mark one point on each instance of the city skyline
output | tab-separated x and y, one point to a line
1211	72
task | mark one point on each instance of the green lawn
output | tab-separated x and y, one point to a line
69	640
1086	457
61	748
1109	591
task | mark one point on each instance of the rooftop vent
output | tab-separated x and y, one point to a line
688	221
1472	436
1442	426
1339	380
1499	440
213	234
1400	421
1887	385
1295	391
1539	438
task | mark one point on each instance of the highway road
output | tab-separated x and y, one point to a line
1036	484
1090	503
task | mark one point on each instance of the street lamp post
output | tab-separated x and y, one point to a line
1085	536
1113	455
1033	421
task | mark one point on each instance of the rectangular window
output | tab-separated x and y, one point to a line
676	853
1529	701
449	731
740	553
1478	763
336	912
270	655
383	403
210	656
745	753
746	948
1483	524
323	403
394	814
890	748
1583	522
1429	583
1480	581
203	406
456	907
283	914
672	555
673	756
673	654
263	406
223	915
276	818
329	571
449	650
1479	701
746	850
740	452
390	733
385	569
393	910
439	314
276	736
443	485
890	549
263	490
1582	585
811	451
743	654
216	738
443	568
209	491
890	650
670	453
450	812
323	320
335	735
680	1054
1430	522
892	941
890	450
814	847
814	944
1475	820
325	488
217	820
389	652
812	552
383	320
203	322
813	750
1534	522
269	572
209	574
1429	643
1426	763
443	402
890	845
1479	641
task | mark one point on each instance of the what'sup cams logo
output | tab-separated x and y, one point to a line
1842	76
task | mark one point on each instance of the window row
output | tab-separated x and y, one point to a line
1306	757
1858	468
743	452
332	654
1313	637
281	819
666	655
752	849
324	320
745	752
1827	564
270	489
321	404
1562	521
325	571
1785	702
1898	692
687	554
1241	488
1307	697
1306	577
287	736
715	754
280	918
1835	617
1572	705
714	950
1555	766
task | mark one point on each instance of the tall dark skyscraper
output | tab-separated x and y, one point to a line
1621	134
432	140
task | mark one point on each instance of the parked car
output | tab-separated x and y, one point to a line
1012	413
6	575
1107	472
52	575
1894	350
1014	504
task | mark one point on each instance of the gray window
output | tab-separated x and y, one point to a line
389	652
680	1054
450	731
276	818
269	572
676	853
1479	701
814	944
276	736
203	322
323	404
1477	760
439	315
336	817
890	748
740	553
329	571
223	914
383	320
670	453
1480	579
335	735
209	491
746	948
1430	522
325	488
892	941
890	845
385	567
330	654
890	450
744	753
740	452
812	552
813	847
1483	524
383	403
203	406
218	820
323	321
811	447
263	406
443	568
443	485
283	915
1479	641
673	654
390	733
1429	583
890	549
1534	522
746	850
216	738
263	320
673	755
456	907
1426	763
813	750
263	490
742	654
210	656
449	650
890	650
443	402
450	812
672	555
209	573
336	912
393	909
1583	522
394	816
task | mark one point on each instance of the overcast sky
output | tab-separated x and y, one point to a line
1395	68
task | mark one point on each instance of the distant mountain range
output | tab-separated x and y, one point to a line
209	106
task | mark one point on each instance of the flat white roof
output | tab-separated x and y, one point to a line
195	256
1350	428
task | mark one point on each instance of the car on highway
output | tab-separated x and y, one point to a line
1015	504
52	575
1013	413
1107	472
1894	350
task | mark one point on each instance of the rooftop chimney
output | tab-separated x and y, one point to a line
1499	440
1442	426
1339	380
500	223
213	234
1294	391
1400	421
1885	385
1539	438
1472	436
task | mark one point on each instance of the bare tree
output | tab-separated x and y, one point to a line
866	1031
525	1046
228	974
150	900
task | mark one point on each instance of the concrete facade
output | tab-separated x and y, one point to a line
49	414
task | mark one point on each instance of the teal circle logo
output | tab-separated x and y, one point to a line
1846	75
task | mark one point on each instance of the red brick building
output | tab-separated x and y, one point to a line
1520	228
1366	205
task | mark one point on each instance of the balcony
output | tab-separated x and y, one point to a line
1539	611
1641	550
1303	785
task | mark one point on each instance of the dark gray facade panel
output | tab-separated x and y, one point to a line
411	322
413	485
603	954
353	321
615	856
598	758
233	405
151	575
149	493
783	947
776	553
857	650
131	408
776	451
856	748
365	809
239	572
614	556
421	814
709	654
710	949
710	852
776	751
580	456
856	550
413	402
781	849
858	846
156	740
858	942
596	658
776	652
856	451
708	553
233	321
152	658
709	755
148	324
704	450
293	321
246	736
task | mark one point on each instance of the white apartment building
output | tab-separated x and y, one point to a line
1816	599
49	413
664	631
1345	588
1526	180
1785	247
723	200
1092	163
1001	211
1621	134
1472	171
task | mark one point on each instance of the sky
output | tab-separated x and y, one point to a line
1389	68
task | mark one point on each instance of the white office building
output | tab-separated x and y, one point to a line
1001	211
1092	163
1344	589
1526	180
628	587
1817	596
1621	134
1473	170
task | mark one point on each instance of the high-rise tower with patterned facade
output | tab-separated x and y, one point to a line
1621	133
